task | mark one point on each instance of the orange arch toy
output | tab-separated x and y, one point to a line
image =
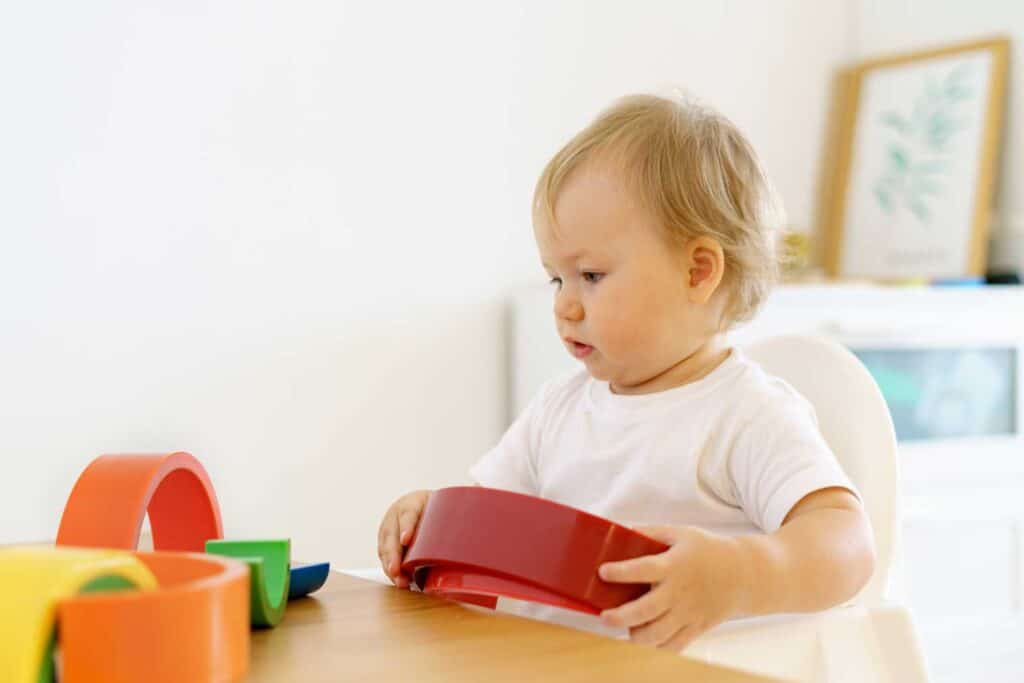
113	494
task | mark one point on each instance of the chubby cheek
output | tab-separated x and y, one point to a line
623	329
641	329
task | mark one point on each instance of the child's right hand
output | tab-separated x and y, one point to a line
396	531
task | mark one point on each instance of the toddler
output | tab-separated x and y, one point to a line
655	226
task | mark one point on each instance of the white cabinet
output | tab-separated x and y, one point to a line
962	562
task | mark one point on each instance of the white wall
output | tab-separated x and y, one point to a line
881	27
277	235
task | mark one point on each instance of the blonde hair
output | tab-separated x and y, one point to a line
694	170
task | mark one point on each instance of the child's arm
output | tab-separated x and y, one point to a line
822	555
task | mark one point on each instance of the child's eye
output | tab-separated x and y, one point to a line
557	281
592	277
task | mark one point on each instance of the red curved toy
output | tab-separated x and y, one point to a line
112	495
474	544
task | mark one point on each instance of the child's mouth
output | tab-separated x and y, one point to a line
579	349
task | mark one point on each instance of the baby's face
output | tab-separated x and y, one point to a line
621	291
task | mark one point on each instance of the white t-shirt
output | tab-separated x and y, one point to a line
731	453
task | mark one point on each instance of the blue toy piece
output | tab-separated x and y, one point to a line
307	578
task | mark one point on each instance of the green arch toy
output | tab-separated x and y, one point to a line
269	574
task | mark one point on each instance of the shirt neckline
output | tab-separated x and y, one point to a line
600	399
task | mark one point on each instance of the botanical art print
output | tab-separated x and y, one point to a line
920	147
913	189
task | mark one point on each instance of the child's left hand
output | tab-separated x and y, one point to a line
694	586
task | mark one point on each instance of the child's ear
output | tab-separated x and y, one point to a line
705	264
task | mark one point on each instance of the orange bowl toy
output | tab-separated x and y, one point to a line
194	627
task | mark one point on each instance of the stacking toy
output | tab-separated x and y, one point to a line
475	544
113	494
193	627
34	580
123	616
269	572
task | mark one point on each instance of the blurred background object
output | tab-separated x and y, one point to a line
1006	249
796	257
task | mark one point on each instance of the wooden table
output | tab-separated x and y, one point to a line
353	629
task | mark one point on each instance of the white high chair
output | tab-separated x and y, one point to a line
869	639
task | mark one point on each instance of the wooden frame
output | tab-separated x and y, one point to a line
880	230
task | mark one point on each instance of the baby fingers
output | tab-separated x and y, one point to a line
646	608
388	547
646	569
407	521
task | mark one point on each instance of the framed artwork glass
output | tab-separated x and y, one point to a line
913	163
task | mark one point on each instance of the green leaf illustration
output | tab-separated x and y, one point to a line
917	153
894	120
898	157
919	210
884	198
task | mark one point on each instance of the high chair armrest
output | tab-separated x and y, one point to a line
877	643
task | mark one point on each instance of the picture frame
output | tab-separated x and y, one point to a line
912	164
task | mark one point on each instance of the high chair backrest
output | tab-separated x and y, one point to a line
856	424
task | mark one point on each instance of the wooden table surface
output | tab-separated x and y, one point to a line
354	629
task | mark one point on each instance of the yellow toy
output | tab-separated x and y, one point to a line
33	580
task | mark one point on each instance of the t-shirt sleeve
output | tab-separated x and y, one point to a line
512	463
779	458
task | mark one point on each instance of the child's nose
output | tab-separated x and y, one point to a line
568	308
